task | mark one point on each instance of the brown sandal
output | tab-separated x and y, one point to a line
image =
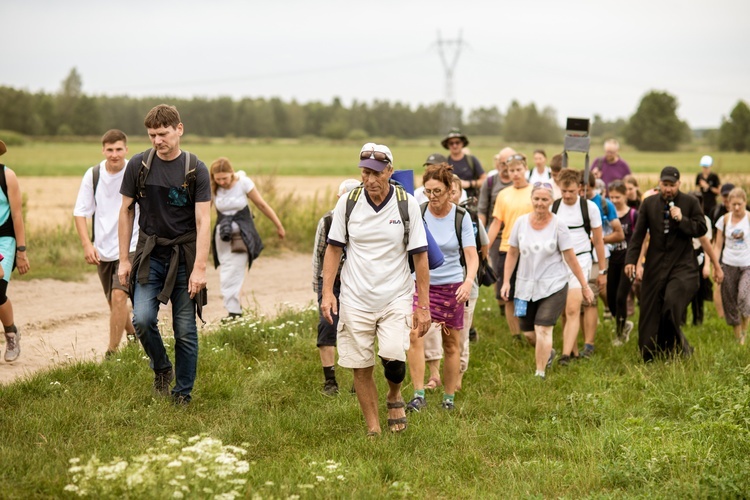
394	422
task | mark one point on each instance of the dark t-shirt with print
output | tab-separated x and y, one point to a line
464	171
167	210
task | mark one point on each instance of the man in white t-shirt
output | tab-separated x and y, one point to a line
376	285
100	200
570	212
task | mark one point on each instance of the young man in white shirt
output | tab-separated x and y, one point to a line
570	213
99	199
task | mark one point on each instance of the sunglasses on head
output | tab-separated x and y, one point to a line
375	155
545	185
516	157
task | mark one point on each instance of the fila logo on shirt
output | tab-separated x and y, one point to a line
394	221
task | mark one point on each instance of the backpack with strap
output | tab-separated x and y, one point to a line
584	212
401	200
191	163
6	229
95	174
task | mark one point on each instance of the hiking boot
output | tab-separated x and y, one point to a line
12	346
162	381
447	405
473	336
564	360
181	399
588	351
331	388
416	404
551	358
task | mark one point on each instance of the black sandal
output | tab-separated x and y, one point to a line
397	421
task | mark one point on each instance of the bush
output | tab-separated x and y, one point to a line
11	138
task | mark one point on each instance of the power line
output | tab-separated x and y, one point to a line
449	51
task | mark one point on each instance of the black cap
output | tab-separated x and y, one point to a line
435	159
670	174
726	188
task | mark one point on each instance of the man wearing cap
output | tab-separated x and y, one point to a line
466	166
434	159
708	182
376	284
670	273
13	249
327	332
610	166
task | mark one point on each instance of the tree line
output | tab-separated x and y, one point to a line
69	112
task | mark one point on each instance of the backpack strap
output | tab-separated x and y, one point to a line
460	213
351	201
556	205
472	165
401	200
95	173
585	214
632	219
145	168
191	164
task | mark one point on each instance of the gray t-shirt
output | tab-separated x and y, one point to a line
541	268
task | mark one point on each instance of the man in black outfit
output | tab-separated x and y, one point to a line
670	274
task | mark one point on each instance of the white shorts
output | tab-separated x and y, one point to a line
357	331
584	260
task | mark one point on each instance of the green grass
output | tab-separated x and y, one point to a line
320	157
609	427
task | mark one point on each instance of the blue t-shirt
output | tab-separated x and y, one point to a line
444	232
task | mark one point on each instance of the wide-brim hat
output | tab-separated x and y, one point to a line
3	148
453	134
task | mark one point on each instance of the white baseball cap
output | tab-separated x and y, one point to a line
706	161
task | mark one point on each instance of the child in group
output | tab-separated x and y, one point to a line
618	285
633	194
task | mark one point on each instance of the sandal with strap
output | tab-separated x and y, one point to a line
433	383
393	423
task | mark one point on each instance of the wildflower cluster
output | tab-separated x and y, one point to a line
200	466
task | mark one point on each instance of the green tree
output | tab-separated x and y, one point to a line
734	133
484	121
527	124
655	125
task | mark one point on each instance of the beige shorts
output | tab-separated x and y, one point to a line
357	331
573	282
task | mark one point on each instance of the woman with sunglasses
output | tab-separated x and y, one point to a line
541	246
450	287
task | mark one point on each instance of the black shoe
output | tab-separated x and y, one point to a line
331	388
162	380
181	399
564	360
473	336
231	317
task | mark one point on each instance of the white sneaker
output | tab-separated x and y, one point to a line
12	346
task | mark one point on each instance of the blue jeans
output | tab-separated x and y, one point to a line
145	320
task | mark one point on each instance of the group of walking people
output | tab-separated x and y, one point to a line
388	268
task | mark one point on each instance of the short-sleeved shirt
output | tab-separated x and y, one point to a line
736	241
571	216
611	171
534	176
232	200
443	230
511	203
491	187
376	272
464	171
105	208
541	268
709	197
607	218
166	210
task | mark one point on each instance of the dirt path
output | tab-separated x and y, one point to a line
63	322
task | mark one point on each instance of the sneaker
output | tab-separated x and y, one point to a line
473	335
564	360
231	318
587	352
607	315
416	404
447	405
551	358
331	388
132	339
162	381
180	399
539	376
626	331
12	346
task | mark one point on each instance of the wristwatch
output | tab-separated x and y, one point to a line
22	248
603	272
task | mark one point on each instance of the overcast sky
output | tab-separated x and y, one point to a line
580	57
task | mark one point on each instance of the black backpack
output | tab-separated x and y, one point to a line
584	211
191	163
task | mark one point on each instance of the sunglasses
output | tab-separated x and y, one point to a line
375	155
545	185
516	157
434	192
451	143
